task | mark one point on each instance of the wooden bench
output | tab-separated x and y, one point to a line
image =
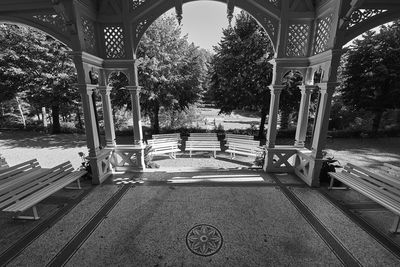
243	146
18	171
203	142
28	190
383	189
164	146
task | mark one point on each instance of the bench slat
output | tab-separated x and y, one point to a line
372	176
11	171
31	200
34	185
13	182
369	192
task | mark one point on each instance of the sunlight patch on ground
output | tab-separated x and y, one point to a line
216	178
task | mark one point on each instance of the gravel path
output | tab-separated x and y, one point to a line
51	150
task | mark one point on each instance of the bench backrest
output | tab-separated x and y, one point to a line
161	141
199	143
203	135
243	142
18	170
163	136
367	177
239	136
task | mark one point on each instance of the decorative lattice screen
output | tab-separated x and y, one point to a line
298	35
361	15
52	20
114	42
133	4
323	34
274	2
89	35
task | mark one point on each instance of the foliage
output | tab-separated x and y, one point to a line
371	73
37	68
171	70
290	97
240	72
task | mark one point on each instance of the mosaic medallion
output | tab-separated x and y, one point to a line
204	240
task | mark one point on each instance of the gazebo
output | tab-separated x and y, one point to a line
307	35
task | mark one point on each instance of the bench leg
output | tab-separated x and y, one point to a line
215	154
330	187
35	216
172	155
190	153
78	185
233	155
395	227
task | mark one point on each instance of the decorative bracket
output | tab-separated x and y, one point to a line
178	10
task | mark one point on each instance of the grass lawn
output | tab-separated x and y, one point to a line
51	150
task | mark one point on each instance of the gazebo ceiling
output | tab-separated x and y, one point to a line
111	29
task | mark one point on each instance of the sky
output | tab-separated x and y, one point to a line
203	21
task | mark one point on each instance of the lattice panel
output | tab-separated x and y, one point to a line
89	35
298	35
134	4
361	15
323	34
114	42
274	2
53	20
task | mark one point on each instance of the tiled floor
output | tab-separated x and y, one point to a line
144	220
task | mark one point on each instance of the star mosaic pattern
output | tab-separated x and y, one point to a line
204	240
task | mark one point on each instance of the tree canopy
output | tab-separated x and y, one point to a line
371	72
36	68
171	70
240	72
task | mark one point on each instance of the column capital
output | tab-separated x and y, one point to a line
87	88
276	89
104	89
307	89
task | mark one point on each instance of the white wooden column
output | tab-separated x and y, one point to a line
92	136
322	121
137	120
107	115
302	121
273	114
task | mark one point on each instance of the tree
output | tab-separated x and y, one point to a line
38	67
240	72
371	73
290	97
171	70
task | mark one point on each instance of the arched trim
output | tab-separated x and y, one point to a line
63	38
143	19
369	24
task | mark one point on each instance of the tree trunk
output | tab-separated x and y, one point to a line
262	123
44	117
376	121
284	119
55	114
156	123
21	112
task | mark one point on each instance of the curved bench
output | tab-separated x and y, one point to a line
26	191
384	190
